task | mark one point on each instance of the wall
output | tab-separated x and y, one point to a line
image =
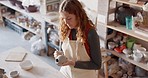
91	4
100	7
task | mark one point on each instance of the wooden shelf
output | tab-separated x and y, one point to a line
35	15
52	18
40	16
139	4
55	23
121	55
14	21
121	28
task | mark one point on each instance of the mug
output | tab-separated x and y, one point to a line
137	56
130	43
136	45
61	59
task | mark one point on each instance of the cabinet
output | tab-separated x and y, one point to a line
111	24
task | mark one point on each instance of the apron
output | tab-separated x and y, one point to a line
75	50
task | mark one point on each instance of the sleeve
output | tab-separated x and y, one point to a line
95	53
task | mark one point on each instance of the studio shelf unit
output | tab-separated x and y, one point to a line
120	28
112	24
42	16
13	20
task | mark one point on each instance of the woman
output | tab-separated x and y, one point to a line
80	42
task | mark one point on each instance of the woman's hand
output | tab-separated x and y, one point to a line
69	62
57	53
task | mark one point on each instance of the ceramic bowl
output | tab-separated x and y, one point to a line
14	74
136	45
26	65
137	56
111	45
127	51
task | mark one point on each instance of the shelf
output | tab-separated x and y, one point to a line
55	23
52	18
35	15
39	16
14	21
121	28
121	55
139	4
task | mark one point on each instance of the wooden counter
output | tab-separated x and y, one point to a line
40	68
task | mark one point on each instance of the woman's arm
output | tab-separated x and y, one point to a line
95	53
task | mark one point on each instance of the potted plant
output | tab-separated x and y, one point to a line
31	5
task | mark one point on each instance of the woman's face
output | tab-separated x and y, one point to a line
69	19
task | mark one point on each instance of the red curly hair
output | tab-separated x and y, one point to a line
74	7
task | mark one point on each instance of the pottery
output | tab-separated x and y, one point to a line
31	8
136	45
145	7
2	71
14	74
137	56
13	2
140	72
26	65
19	4
127	51
111	45
130	43
61	59
145	54
141	49
133	1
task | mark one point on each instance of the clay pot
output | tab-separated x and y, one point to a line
19	4
31	8
13	2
